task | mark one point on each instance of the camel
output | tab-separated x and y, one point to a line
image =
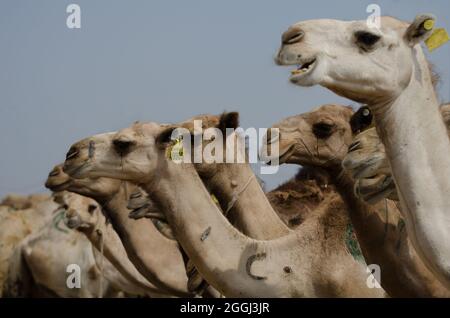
16	224
38	265
367	156
321	138
235	264
386	69
20	202
86	217
157	258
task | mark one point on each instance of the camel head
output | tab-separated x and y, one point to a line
227	120
317	138
96	188
133	154
81	212
365	64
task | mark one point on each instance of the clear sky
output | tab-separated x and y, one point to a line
154	60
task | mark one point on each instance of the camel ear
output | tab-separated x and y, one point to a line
165	137
361	119
420	29
228	120
171	134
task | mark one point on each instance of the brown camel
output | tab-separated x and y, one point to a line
367	156
321	138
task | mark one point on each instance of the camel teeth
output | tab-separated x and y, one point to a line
295	72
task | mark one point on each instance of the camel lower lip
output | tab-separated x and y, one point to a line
59	187
138	213
281	159
296	74
359	172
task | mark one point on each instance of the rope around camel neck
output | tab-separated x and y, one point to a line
236	195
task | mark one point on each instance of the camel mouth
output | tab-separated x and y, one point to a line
283	157
303	69
144	212
138	213
73	222
375	196
58	187
76	170
363	170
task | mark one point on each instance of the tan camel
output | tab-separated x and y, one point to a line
82	214
21	202
233	263
321	138
39	265
15	225
157	258
386	69
367	156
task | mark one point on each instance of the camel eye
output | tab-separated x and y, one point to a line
366	39
91	208
65	206
123	147
323	130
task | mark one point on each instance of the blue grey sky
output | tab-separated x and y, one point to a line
154	60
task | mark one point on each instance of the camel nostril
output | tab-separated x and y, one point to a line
354	146
72	153
71	213
292	36
121	146
54	173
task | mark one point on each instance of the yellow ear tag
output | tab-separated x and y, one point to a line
214	198
428	25
175	152
438	38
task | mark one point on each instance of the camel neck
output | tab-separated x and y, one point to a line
370	228
219	251
417	147
238	191
166	271
103	237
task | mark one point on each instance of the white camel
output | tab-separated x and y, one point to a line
386	69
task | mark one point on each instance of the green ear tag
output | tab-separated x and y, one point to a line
438	38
